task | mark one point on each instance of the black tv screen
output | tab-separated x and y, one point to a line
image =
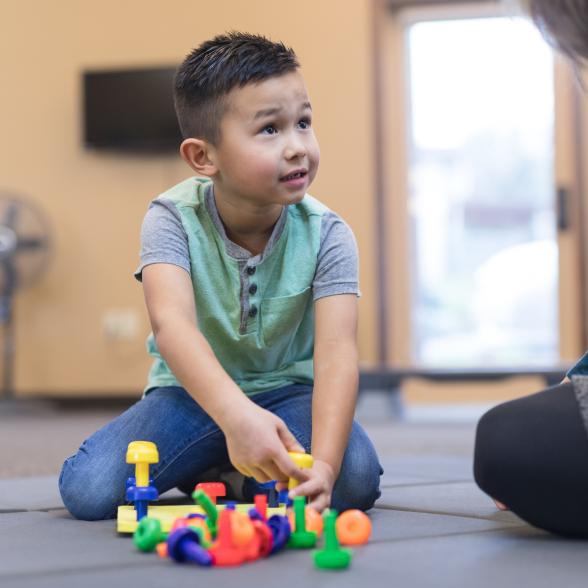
130	110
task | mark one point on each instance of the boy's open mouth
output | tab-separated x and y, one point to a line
295	175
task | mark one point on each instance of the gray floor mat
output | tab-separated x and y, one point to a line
73	553
518	556
401	469
38	493
460	498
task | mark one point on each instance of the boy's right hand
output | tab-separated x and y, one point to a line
258	442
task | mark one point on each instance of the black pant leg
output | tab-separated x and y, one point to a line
532	455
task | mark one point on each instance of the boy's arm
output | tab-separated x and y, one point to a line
336	376
257	440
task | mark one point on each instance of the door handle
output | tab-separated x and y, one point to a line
563	209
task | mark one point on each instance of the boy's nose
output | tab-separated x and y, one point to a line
295	147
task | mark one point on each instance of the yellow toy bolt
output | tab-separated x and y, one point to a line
303	461
142	453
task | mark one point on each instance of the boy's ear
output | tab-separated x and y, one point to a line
197	154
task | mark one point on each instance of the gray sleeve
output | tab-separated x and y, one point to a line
163	237
338	266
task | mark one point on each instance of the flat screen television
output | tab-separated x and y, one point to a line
130	110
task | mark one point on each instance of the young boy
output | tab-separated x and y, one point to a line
249	283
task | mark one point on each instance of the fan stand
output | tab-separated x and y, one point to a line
15	211
10	405
8	346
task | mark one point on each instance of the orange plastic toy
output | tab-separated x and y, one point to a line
242	529
312	518
353	527
161	549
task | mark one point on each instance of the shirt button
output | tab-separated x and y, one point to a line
253	311
252	289
250	270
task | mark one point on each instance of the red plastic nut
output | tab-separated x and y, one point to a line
266	539
213	490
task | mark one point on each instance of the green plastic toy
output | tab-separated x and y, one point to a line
202	499
332	556
148	534
300	538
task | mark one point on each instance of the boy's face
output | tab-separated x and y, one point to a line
268	153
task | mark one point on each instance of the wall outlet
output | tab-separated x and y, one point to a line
120	324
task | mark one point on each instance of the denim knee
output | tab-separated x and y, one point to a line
86	494
358	485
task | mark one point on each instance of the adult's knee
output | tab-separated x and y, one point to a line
501	454
489	456
358	485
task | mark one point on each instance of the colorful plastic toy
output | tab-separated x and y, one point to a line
272	494
266	539
231	534
332	556
224	551
353	527
242	529
183	545
166	514
148	534
280	529
194	522
142	454
161	549
213	490
209	507
312	519
253	547
301	538
283	498
303	461
260	501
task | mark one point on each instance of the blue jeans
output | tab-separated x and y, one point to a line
92	482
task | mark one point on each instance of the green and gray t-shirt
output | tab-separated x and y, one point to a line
256	312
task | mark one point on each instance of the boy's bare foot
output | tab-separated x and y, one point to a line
499	505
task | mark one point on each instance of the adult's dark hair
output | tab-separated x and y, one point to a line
564	23
217	66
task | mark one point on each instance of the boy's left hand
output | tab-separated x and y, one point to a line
318	487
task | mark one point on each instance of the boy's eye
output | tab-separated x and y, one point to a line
269	130
304	123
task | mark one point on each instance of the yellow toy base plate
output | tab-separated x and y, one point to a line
126	521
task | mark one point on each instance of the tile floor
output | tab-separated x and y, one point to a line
431	527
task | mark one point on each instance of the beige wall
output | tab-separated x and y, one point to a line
96	201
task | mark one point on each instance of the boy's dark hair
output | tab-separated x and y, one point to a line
217	66
564	23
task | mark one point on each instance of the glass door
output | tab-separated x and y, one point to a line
481	184
481	204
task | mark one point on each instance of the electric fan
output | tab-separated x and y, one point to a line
24	256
